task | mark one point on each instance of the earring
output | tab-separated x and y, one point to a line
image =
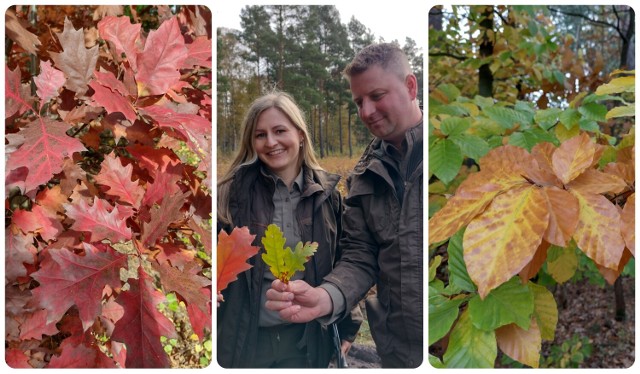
301	143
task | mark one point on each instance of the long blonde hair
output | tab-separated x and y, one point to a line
247	154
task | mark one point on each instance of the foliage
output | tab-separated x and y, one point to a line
233	252
570	354
283	262
523	193
103	216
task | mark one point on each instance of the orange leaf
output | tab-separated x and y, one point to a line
598	231
543	153
596	182
628	218
233	252
533	267
563	215
610	275
519	344
503	239
573	157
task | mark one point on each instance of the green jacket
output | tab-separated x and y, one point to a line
382	245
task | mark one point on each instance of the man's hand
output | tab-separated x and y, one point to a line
297	301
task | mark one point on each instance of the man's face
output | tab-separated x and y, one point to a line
384	102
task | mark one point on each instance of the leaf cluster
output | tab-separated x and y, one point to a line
104	217
283	262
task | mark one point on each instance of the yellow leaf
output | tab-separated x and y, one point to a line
564	264
563	215
473	195
573	157
628	218
519	344
596	182
502	240
598	230
545	309
617	85
622	111
563	134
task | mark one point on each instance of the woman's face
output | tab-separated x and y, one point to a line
277	143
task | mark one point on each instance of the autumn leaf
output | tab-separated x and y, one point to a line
19	33
169	211
45	148
563	215
49	81
16	359
185	283
37	221
101	219
164	53
18	97
81	357
194	129
573	157
142	325
112	102
519	344
35	325
598	231
76	61
628	218
118	178
19	249
61	288
123	35
502	240
283	262
232	253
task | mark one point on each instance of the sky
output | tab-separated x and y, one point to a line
396	20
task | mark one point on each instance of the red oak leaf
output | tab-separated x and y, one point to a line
112	102
233	252
110	81
101	219
49	81
18	97
174	253
165	183
169	211
36	325
16	359
118	178
19	249
76	61
158	64
185	283
37	221
123	35
52	199
192	128
68	279
200	320
43	152
81	356
199	53
142	325
154	160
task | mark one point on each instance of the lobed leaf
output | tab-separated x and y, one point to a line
283	262
101	219
233	251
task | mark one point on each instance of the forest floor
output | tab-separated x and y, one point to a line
588	311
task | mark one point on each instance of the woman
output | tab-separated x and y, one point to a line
275	178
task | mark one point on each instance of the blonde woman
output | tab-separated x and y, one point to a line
275	178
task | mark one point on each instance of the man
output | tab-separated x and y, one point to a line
382	232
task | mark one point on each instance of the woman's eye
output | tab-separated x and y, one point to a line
261	135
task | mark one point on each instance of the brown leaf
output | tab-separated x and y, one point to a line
519	344
17	32
628	218
76	61
563	215
573	157
185	283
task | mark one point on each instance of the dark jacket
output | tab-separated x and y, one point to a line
382	245
319	215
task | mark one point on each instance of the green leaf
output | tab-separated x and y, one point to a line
569	118
470	347
445	159
471	145
589	125
529	138
435	362
452	92
562	263
283	262
511	302
442	314
433	268
454	125
545	310
547	118
458	274
593	111
507	118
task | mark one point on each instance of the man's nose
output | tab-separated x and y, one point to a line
367	108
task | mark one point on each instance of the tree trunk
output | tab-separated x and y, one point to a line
485	82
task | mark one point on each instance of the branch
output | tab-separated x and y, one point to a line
447	54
